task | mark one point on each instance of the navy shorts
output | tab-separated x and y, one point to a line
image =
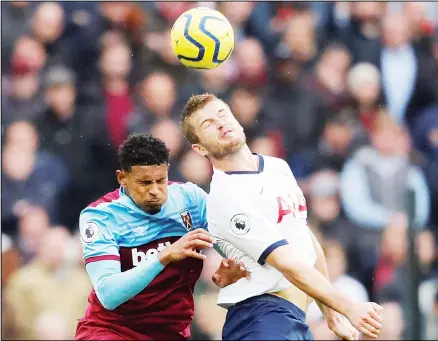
266	317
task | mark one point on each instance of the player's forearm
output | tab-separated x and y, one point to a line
312	282
114	287
309	280
321	266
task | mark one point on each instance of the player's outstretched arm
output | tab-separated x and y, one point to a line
336	322
365	317
248	222
114	287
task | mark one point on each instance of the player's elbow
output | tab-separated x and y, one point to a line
106	300
107	303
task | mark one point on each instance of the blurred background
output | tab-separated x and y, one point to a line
346	93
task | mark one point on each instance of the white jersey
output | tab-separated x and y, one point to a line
250	214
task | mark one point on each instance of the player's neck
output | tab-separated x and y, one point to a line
241	160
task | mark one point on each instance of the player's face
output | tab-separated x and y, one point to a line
218	131
146	185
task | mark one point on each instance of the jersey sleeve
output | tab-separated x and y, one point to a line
248	225
98	236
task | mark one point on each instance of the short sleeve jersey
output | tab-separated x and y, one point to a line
251	214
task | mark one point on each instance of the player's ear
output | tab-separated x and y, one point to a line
199	149
121	178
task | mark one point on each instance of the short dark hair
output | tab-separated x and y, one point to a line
195	103
142	150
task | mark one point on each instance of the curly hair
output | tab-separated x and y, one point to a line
142	150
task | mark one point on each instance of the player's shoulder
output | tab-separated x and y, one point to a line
102	208
187	191
272	162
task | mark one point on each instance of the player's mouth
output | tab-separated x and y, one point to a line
225	133
154	203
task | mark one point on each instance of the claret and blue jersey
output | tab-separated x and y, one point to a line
115	228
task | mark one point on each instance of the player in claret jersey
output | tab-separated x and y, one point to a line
140	246
257	213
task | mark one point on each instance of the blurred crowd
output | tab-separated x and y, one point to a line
345	92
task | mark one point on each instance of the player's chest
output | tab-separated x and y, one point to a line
186	271
283	193
142	229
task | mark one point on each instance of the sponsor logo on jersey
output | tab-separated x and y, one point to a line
187	220
240	224
141	256
89	232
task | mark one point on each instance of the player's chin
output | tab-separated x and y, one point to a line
153	207
231	144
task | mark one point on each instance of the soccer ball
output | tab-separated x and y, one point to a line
202	38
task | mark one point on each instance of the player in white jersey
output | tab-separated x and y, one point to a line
257	213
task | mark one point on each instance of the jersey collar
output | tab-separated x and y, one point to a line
261	167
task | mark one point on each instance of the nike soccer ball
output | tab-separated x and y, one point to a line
202	38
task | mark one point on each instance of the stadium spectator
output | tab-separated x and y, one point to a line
364	86
157	101
425	138
300	38
76	134
29	176
251	67
342	134
362	33
246	104
329	80
374	182
391	267
170	132
238	14
413	90
24	101
112	93
291	109
33	224
196	169
58	292
14	14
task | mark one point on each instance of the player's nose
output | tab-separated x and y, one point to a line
220	123
154	190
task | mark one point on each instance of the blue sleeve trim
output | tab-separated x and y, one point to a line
269	249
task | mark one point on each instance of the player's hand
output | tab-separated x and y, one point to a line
366	318
341	327
229	272
187	246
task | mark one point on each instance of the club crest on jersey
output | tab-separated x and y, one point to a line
240	224
90	232
187	219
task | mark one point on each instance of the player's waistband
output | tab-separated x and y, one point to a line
268	298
